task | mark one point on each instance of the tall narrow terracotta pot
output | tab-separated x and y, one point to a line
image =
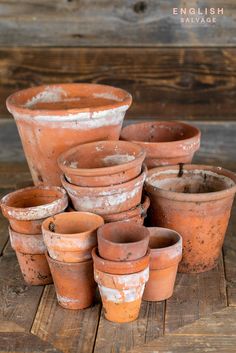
166	253
54	118
195	201
30	251
74	283
102	163
165	142
121	294
71	236
27	208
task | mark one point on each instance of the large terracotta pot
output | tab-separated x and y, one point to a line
71	236
102	163
166	253
27	208
53	118
195	201
165	142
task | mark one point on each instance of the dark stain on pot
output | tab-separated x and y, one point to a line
41	277
140	7
32	258
51	227
181	170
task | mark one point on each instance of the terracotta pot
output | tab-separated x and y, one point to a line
30	254
102	163
166	253
136	214
122	241
74	113
74	283
121	294
27	208
106	199
195	201
120	267
71	236
165	142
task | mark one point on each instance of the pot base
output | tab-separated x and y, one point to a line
121	312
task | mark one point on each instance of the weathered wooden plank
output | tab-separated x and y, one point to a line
165	83
18	302
215	333
112	23
195	296
18	342
71	331
119	338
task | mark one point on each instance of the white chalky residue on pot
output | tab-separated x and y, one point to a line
73	164
109	96
121	296
132	280
49	95
118	159
33	244
67	300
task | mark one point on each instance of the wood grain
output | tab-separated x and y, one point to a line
111	23
165	83
68	330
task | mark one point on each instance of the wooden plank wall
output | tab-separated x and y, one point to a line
173	70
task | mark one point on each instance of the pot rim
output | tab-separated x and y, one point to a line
102	170
125	265
193	197
67	264
105	190
173	246
34	212
197	133
12	106
67	214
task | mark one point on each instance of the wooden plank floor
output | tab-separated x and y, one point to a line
32	321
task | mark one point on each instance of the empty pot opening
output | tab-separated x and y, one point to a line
32	198
159	132
193	182
124	236
159	242
65	224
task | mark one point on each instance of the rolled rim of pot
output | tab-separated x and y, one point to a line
188	140
130	156
25	101
34	203
191	182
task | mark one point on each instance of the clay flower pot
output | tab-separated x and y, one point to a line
71	236
165	142
102	163
120	267
122	241
195	201
27	208
53	118
74	283
136	214
166	253
30	250
106	199
121	294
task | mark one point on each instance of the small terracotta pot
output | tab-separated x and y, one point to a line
120	267
166	253
107	199
195	201
27	208
121	294
102	163
122	241
165	142
74	283
53	118
30	254
71	236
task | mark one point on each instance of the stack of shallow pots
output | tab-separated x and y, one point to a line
26	209
121	269
106	178
70	238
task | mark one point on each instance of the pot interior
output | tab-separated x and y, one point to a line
158	132
162	238
123	233
32	198
191	181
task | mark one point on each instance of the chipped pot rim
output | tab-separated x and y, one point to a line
123	99
34	212
187	168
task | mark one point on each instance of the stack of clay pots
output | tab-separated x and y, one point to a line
70	238
121	269
26	209
106	178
